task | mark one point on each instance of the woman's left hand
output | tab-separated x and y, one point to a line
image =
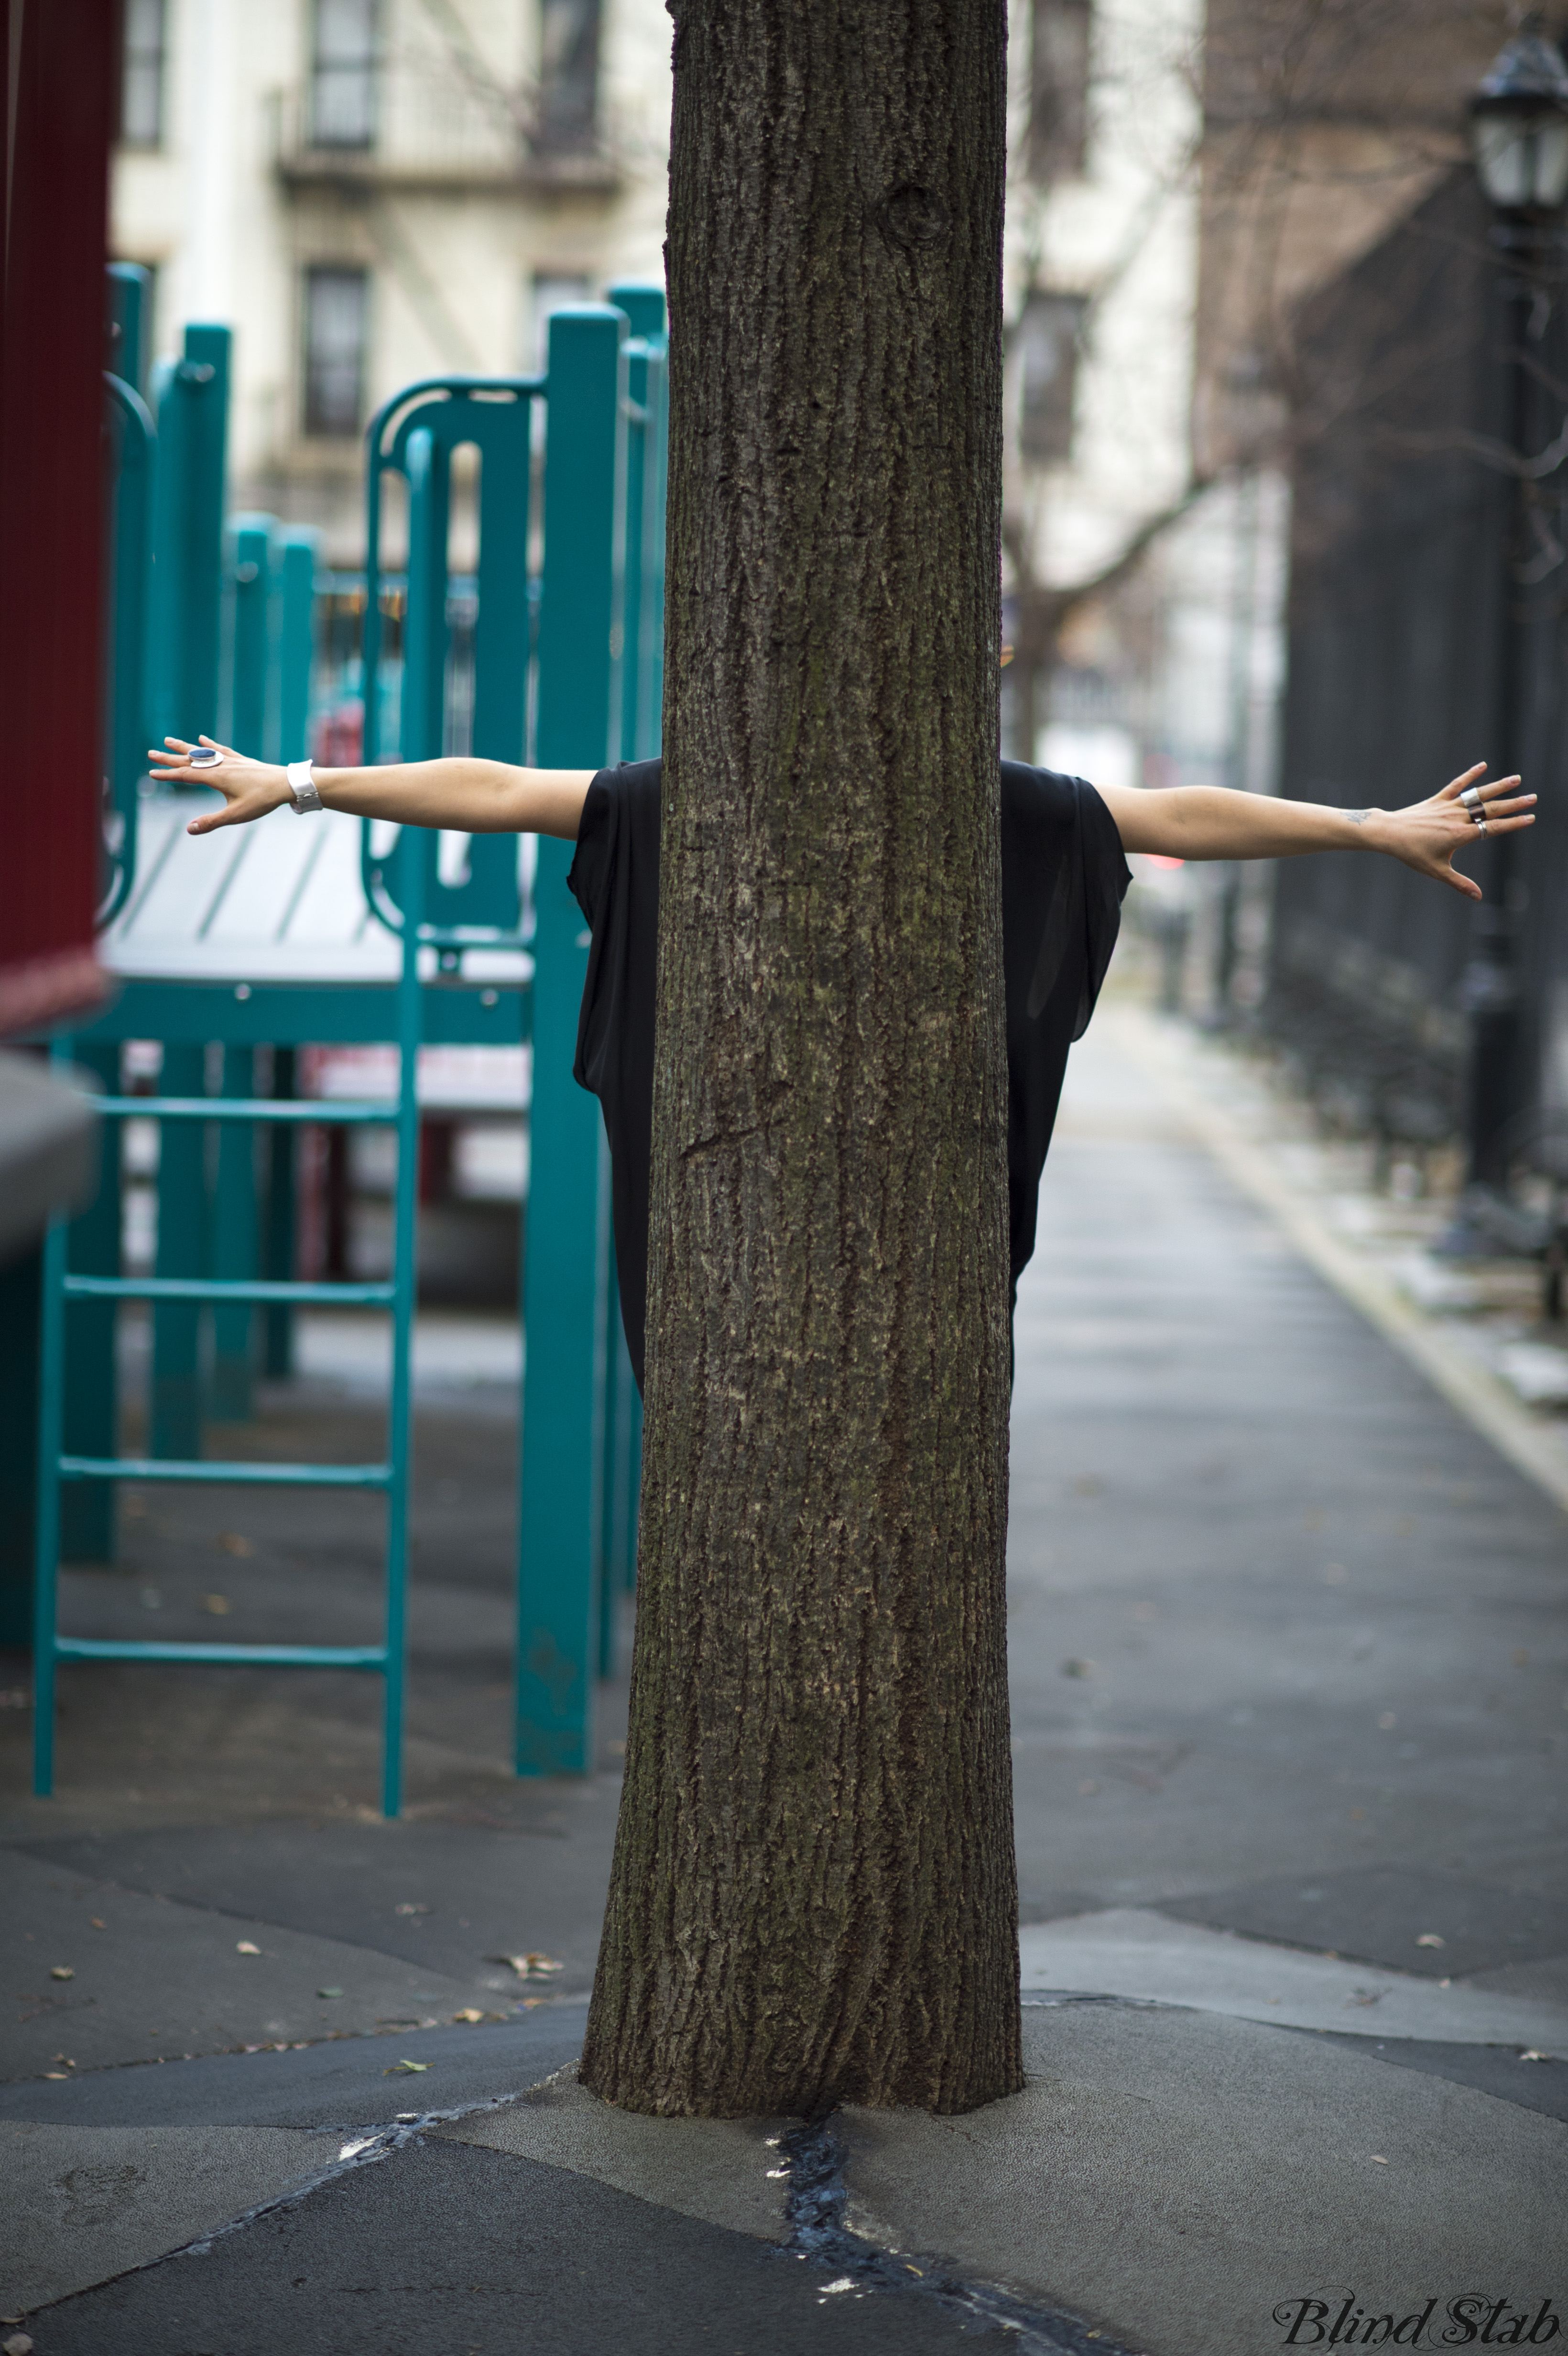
1428	835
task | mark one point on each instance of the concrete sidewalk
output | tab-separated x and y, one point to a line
1289	1678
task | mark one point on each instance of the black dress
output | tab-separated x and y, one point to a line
1064	877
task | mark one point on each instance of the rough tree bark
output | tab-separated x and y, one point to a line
812	1898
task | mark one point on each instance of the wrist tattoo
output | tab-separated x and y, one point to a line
1358	817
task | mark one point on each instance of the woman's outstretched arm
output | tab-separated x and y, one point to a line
1212	822
470	796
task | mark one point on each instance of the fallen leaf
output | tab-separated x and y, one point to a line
1430	1939
531	1967
1378	2159
217	1604
1387	1718
233	1543
18	2344
1529	2054
246	1947
59	2076
410	1910
469	2012
1358	1815
98	1923
62	1972
329	1991
406	2070
1077	1668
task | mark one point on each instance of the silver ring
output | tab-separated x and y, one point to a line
1471	798
1480	823
204	760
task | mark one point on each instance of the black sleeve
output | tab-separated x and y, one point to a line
1063	875
1106	876
614	878
590	860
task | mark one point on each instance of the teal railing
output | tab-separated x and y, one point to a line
565	667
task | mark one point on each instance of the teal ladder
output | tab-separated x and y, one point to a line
388	1658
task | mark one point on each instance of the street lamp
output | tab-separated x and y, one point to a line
1518	131
1519	126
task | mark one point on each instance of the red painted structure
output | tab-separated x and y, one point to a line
58	95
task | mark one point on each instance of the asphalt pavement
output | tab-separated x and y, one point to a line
1289	1677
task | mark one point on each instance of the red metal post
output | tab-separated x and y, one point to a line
60	71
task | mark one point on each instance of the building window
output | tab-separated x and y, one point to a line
1058	87
569	76
342	74
1046	340
335	308
142	74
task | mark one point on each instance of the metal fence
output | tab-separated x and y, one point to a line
1426	631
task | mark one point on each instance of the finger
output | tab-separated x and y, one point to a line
1496	810
1498	785
1458	785
1465	885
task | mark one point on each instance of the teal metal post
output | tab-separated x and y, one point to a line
87	1516
251	663
564	1272
278	1243
296	638
300	553
631	1500
411	848
233	1249
643	595
132	445
174	1423
191	401
129	324
641	670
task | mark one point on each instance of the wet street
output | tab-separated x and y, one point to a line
1288	1662
1281	1623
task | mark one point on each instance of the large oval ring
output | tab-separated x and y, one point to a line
1471	798
204	758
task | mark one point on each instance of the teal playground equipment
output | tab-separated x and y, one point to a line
236	952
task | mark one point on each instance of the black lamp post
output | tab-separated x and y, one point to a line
1519	129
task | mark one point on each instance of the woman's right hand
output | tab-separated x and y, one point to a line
250	789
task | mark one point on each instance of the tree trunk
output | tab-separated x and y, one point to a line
814	1896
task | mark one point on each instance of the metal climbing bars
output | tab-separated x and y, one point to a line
331	936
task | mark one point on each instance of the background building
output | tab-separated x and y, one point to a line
373	191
